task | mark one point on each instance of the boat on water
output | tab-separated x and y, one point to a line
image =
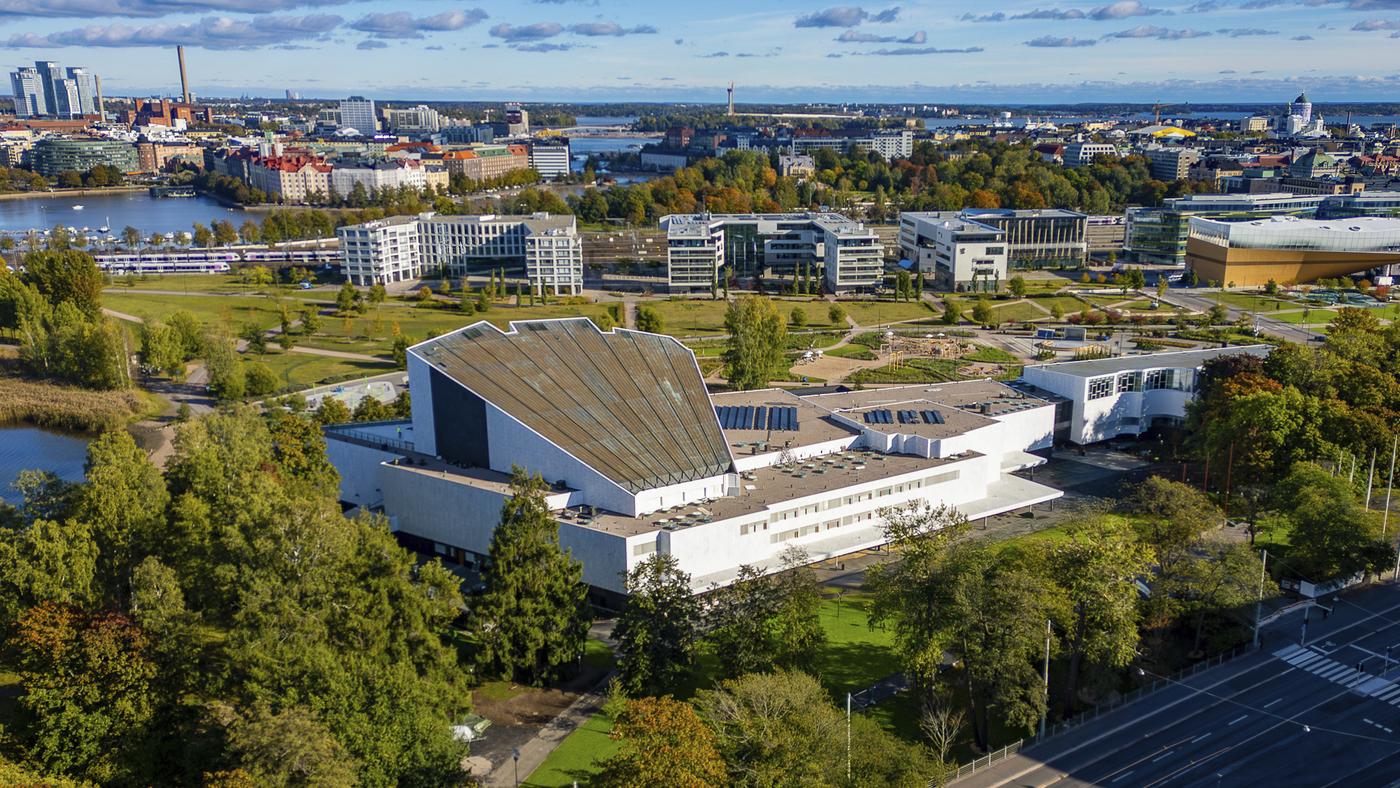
77	207
106	226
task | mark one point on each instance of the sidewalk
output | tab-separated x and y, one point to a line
534	752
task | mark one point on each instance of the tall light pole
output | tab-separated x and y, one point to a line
1259	602
848	737
1389	483
1046	711
1370	477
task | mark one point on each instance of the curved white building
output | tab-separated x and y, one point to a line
1129	395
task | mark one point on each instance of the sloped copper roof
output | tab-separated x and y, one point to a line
631	405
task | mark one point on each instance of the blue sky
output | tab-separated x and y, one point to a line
925	52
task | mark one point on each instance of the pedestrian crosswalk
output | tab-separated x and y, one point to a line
1348	676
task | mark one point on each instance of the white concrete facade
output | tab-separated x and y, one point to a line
851	254
407	247
1129	395
959	254
819	482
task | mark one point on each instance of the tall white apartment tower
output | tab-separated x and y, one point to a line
357	112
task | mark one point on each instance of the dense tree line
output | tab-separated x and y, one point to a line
994	609
768	722
977	174
1272	425
223	621
54	309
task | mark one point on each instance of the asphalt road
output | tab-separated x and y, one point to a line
1286	715
1197	300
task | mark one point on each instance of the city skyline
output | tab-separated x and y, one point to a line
1020	51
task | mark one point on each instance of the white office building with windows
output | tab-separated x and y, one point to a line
404	248
640	459
1128	395
959	254
848	254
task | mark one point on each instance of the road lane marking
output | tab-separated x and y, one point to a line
1272	702
1202	737
1122	776
1240	718
1163	755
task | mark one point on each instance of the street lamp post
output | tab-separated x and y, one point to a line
1259	602
515	756
1046	711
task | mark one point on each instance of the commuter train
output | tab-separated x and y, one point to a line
207	262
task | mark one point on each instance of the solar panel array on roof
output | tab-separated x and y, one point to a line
881	416
756	417
630	405
931	416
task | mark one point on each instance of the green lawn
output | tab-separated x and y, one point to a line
858	352
1107	300
231	311
874	313
1314	317
1017	312
685	317
1069	304
855	656
1252	303
576	758
914	370
302	370
990	354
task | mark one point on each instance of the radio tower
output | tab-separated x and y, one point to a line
731	98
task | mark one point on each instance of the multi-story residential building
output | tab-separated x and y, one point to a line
1172	163
47	90
889	144
960	254
404	248
422	120
849	254
1129	395
156	156
1158	235
377	176
358	113
792	166
1078	154
55	154
483	162
641	460
292	179
550	157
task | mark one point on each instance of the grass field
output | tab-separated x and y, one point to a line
199	283
914	370
302	370
854	656
698	316
858	352
1069	304
874	313
990	354
232	312
1314	317
1253	303
1017	311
